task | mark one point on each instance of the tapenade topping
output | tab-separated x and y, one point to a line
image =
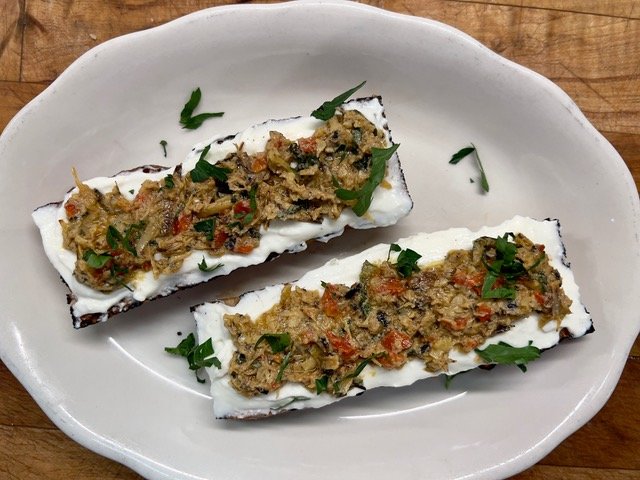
395	313
222	208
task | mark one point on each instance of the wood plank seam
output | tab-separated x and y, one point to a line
576	12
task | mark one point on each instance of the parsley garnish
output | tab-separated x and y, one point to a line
504	354
407	262
207	227
205	268
114	237
168	182
379	158
187	120
198	356
277	341
283	365
394	247
456	157
163	144
328	108
322	384
506	266
204	170
131	234
95	260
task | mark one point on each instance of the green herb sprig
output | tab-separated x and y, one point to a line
462	153
163	144
203	267
207	227
379	158
198	356
277	341
187	120
506	266
205	170
407	261
328	108
504	354
96	260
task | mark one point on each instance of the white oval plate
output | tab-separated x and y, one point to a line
113	389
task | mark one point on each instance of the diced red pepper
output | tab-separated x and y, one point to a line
473	281
457	324
483	312
329	303
396	341
342	345
242	246
388	286
307	145
259	163
540	298
71	208
219	238
242	207
181	224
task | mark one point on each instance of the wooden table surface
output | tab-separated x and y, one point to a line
590	48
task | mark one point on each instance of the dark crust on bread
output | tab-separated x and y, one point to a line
129	302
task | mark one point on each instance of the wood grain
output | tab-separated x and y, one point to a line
590	48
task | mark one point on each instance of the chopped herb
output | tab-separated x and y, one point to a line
394	247
459	155
322	384
198	356
207	227
358	369
205	268
328	108
95	260
163	144
168	182
379	158
204	170
131	235
504	354
407	262
131	191
456	157
114	237
506	266
292	400
283	365
187	120
277	341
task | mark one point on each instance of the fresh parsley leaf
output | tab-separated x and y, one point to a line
95	260
207	227
394	247
407	262
114	237
277	341
205	170
379	158
168	182
322	384
131	235
462	153
328	108
283	365
504	354
358	369
163	144
198	356
187	120
205	268
505	266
